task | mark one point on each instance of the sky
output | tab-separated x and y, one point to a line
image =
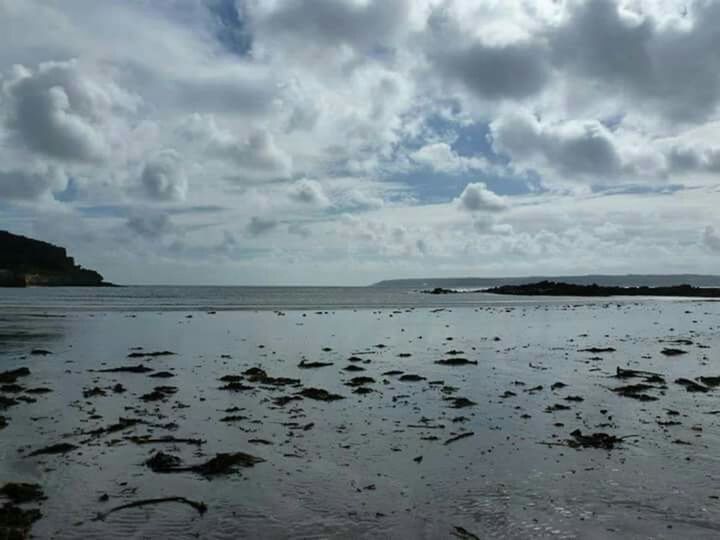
342	142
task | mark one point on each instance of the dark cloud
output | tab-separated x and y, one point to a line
509	71
299	230
365	26
258	225
685	158
574	149
150	224
674	69
17	185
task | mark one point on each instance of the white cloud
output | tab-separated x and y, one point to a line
163	177
253	157
711	239
441	157
58	111
476	197
308	192
185	131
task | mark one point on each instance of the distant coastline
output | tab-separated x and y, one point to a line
603	280
552	288
26	262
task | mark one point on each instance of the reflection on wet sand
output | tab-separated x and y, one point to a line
546	420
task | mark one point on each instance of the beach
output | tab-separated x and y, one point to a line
406	458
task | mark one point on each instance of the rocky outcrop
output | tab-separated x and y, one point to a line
28	262
552	288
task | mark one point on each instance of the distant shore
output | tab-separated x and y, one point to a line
552	288
26	262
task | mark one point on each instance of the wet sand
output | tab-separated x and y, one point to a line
397	460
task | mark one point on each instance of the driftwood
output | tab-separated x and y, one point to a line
201	507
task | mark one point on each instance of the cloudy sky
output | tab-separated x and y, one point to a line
348	141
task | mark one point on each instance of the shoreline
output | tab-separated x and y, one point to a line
558	289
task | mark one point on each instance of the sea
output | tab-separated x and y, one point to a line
214	298
380	412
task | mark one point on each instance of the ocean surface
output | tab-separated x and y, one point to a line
153	298
385	463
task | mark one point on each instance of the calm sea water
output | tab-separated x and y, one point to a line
375	465
166	298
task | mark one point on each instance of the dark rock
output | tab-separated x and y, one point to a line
319	394
153	354
691	386
39	390
439	290
223	463
6	402
460	402
161	462
304	364
166	439
226	463
93	392
635	391
463	534
257	375
9	377
456	361
233	418
231	378
15	522
120	425
556	407
710	381
353	367
594	440
60	448
551	288
360	381
412	378
236	386
159	393
19	493
162	375
284	400
669	351
126	369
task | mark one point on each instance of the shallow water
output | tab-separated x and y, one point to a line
169	298
498	483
